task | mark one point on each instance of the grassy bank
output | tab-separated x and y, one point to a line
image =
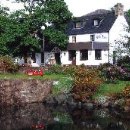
24	76
64	83
110	88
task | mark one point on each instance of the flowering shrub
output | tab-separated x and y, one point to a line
86	82
111	72
7	64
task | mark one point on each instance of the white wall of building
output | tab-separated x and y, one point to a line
99	37
117	33
91	58
65	58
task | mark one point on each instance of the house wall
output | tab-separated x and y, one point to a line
117	33
91	58
99	37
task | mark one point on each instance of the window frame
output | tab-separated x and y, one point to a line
74	39
92	37
96	22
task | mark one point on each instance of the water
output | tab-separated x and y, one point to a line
40	117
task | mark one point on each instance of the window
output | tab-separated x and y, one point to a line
78	24
96	22
72	54
84	55
92	37
73	39
98	54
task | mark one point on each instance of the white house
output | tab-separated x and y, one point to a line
92	39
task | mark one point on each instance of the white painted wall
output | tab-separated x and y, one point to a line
65	58
91	58
99	37
118	32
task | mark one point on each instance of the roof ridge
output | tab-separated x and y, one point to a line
98	11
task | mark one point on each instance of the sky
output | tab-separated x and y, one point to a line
80	7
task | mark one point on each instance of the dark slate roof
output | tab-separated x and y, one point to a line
107	18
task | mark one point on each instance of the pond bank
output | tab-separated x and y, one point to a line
21	91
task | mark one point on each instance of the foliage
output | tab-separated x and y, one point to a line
126	92
111	73
63	85
7	64
69	70
86	83
123	61
58	69
21	32
55	69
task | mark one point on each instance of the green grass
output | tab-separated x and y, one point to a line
106	89
24	76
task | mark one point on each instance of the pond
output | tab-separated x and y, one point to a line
41	117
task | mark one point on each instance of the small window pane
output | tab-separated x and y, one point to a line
98	54
92	37
73	39
78	25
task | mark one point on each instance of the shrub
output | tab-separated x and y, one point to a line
86	82
126	92
111	73
123	61
56	69
69	70
7	64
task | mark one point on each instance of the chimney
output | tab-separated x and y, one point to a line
119	9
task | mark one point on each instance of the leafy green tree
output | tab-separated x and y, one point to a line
52	12
22	27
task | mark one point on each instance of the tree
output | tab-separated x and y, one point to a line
53	12
25	24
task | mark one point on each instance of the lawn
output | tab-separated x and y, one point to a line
25	76
109	88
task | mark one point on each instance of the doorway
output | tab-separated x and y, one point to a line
57	58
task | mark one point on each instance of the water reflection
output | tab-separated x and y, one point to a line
40	117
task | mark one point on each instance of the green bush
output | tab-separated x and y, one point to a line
123	61
111	73
86	83
7	64
55	69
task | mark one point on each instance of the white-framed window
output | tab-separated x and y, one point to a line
78	25
92	37
96	22
73	39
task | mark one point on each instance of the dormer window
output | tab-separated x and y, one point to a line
96	22
78	24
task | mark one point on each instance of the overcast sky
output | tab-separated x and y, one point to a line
81	7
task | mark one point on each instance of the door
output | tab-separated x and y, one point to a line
57	58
